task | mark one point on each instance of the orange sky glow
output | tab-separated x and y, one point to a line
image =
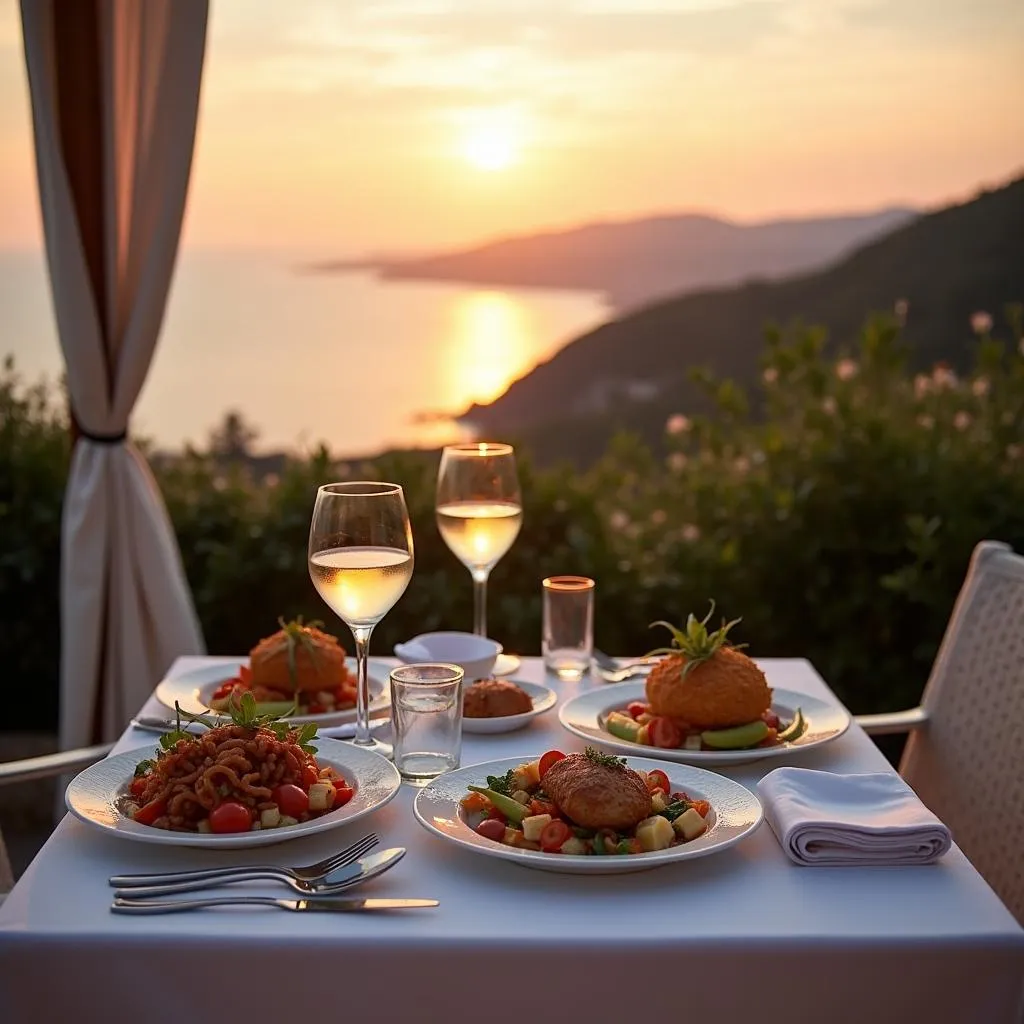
413	124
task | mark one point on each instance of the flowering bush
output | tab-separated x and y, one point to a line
838	520
835	512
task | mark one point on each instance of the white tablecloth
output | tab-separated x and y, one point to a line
742	935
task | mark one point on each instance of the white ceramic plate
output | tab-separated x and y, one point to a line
735	814
506	664
193	689
543	700
94	797
586	714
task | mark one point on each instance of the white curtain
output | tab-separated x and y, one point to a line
115	94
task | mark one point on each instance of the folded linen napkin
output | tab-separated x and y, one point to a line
846	820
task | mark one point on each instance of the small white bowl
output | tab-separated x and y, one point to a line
475	655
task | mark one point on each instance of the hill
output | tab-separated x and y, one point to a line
633	371
634	262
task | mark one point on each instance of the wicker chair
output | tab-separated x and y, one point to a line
47	766
965	753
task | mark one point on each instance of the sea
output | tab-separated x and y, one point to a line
345	358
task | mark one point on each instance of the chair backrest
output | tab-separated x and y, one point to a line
967	763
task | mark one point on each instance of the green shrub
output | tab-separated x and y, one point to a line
837	521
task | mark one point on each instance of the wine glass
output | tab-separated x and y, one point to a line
479	512
360	561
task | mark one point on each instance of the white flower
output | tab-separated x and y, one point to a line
926	421
618	520
981	323
980	386
922	385
828	405
900	309
677	462
690	533
771	375
658	516
943	377
846	369
677	424
962	420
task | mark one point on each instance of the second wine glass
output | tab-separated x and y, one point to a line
360	561
479	511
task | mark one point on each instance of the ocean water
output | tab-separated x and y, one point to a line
345	358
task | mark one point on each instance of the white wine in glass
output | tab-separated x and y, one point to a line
479	512
361	561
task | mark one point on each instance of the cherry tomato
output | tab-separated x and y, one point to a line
137	786
495	815
491	828
701	807
316	708
555	833
550	758
153	810
665	733
309	775
543	807
342	794
230	816
657	780
770	719
771	740
224	689
290	799
637	708
473	803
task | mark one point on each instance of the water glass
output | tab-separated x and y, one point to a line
426	719
568	638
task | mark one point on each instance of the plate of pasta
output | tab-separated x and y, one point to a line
252	782
299	669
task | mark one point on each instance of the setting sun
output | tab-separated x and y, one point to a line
489	149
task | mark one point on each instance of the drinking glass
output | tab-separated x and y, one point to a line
479	512
567	642
426	717
360	561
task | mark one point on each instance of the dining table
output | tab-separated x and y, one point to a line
745	935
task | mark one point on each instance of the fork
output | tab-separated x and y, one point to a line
611	671
310	873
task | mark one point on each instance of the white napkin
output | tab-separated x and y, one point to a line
846	820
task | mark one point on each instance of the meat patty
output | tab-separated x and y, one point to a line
495	698
597	795
323	669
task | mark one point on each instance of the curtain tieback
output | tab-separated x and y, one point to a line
103	438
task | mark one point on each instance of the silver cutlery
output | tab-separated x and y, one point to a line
336	881
126	906
612	671
310	873
151	723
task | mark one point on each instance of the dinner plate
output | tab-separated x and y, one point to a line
586	714
506	664
735	814
543	699
96	794
194	688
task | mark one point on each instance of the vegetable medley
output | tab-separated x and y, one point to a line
517	810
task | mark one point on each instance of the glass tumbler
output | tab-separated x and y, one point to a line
426	719
568	639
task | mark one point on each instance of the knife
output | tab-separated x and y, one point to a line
121	905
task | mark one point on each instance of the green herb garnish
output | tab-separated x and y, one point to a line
675	809
501	784
607	760
695	642
144	766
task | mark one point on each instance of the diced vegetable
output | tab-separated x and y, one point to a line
473	803
321	796
636	708
522	778
692	743
655	834
736	738
623	727
556	833
286	819
204	826
658	802
665	733
573	847
532	771
534	825
521	797
271	817
491	829
510	808
644	735
689	824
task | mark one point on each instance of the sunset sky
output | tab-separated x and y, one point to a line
347	125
